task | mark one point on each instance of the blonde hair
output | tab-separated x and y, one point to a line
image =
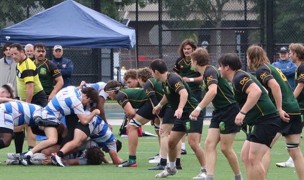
257	56
298	49
201	56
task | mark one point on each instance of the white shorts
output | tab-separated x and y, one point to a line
6	120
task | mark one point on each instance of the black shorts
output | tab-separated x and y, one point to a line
6	130
83	128
145	111
293	127
71	123
40	98
168	117
223	119
195	126
264	131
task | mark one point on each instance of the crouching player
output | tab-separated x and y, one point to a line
17	113
98	131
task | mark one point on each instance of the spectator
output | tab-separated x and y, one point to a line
286	66
48	72
29	51
7	67
65	65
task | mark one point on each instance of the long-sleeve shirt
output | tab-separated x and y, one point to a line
289	69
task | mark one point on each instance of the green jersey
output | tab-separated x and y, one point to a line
184	69
171	88
47	72
154	90
136	96
241	81
289	103
300	79
224	96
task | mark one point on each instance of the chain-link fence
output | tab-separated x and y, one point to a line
221	26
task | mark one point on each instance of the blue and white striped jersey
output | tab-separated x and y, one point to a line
21	112
67	101
99	86
100	132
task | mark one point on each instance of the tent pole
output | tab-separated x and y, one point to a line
136	64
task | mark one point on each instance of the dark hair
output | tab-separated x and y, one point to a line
94	155
39	45
231	60
10	89
5	46
17	46
189	42
91	93
158	65
144	74
201	56
113	85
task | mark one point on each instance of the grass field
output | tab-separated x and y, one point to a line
148	146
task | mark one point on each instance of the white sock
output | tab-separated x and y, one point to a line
171	165
290	160
29	153
183	146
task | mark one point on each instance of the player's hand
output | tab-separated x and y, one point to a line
178	113
194	115
96	112
239	119
284	116
156	109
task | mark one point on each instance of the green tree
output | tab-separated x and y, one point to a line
15	11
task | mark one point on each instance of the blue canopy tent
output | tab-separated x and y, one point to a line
70	24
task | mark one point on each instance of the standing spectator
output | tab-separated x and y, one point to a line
29	51
286	66
257	111
65	65
7	67
48	72
29	90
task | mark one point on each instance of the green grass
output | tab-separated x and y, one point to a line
148	146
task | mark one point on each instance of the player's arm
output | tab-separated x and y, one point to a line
129	110
253	95
100	106
58	85
114	156
29	92
298	89
86	119
209	96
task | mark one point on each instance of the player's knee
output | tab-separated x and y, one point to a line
134	123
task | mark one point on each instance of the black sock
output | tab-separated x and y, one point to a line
30	147
19	140
178	162
2	145
163	162
60	154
